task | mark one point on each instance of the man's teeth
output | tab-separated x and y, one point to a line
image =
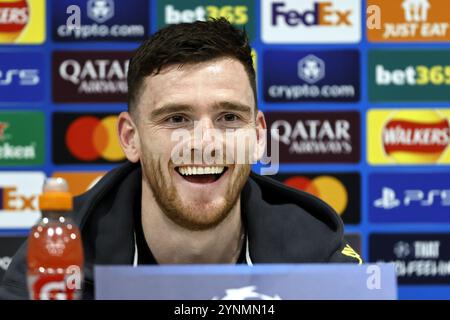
187	171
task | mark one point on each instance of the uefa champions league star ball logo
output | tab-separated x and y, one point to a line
402	249
100	10
311	69
246	293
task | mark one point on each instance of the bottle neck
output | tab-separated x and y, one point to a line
55	215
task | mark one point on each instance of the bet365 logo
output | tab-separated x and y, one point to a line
238	12
409	75
234	14
413	75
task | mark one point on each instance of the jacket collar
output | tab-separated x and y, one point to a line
281	223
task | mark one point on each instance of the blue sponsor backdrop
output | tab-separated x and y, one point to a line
22	76
311	75
140	10
113	21
409	197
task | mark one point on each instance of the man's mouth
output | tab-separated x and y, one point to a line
197	174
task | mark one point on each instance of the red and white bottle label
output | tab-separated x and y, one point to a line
55	286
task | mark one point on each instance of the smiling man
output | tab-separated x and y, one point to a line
177	200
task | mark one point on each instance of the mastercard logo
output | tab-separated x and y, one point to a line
416	136
22	21
89	138
326	188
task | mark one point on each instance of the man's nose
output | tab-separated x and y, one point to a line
204	130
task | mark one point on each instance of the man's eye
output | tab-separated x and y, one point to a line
176	119
230	117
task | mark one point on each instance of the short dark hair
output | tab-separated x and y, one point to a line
188	43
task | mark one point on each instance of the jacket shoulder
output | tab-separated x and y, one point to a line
14	283
301	227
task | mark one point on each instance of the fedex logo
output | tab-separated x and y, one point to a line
409	197
322	14
19	192
311	21
11	200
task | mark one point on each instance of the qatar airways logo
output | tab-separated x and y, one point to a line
311	21
90	76
316	136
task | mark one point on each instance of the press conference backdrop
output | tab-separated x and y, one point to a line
362	102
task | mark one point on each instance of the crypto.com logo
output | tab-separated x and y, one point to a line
311	69
206	146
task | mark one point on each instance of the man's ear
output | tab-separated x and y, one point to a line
261	136
128	137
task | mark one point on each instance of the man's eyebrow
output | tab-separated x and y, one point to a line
180	108
234	106
171	108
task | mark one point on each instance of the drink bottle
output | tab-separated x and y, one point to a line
55	251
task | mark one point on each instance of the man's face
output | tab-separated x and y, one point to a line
207	98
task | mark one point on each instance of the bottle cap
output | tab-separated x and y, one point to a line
55	196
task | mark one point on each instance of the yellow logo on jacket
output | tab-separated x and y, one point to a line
349	252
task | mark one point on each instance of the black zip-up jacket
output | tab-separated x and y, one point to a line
283	225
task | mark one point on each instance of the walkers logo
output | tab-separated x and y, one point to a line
400	75
316	136
90	76
19	198
109	20
344	198
311	21
80	182
86	138
411	20
311	76
8	247
22	21
21	138
409	136
411	197
21	77
241	13
419	258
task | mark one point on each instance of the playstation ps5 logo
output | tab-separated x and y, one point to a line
311	69
389	198
100	10
23	77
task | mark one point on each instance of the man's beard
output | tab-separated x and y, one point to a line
192	217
